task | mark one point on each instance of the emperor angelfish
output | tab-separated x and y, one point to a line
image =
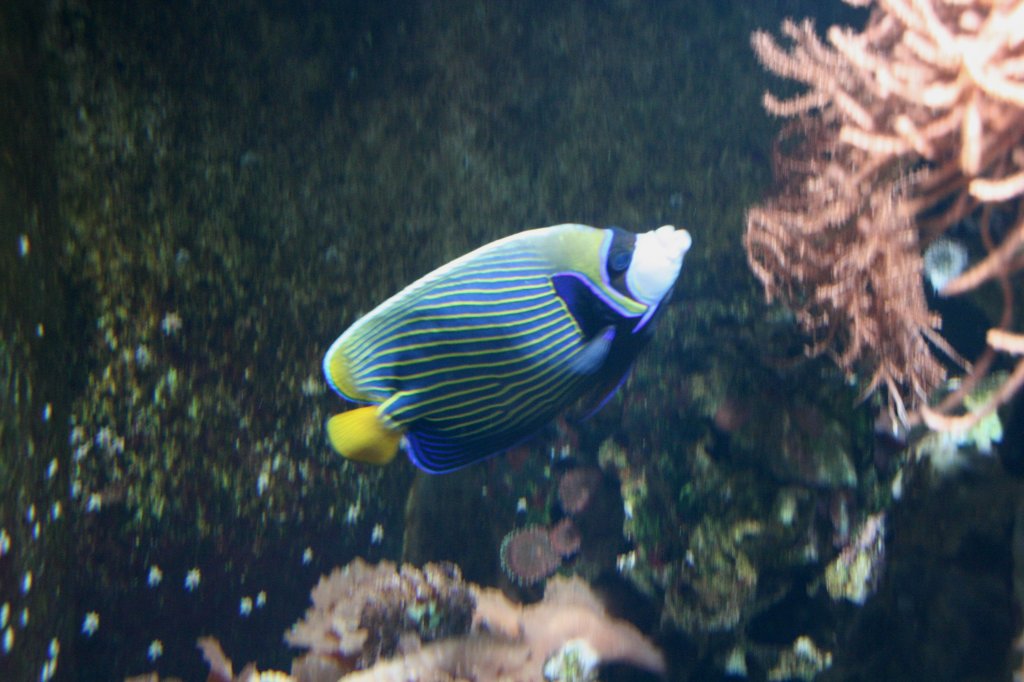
481	353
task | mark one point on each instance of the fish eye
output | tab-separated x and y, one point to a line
620	252
619	261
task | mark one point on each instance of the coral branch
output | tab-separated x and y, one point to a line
907	128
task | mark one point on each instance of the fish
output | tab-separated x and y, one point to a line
481	354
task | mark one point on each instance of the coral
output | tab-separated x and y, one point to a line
717	581
813	447
527	555
531	554
944	260
948	451
221	668
575	488
855	573
570	611
803	662
462	658
907	128
565	537
365	612
568	631
574	662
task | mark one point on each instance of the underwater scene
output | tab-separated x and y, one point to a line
517	340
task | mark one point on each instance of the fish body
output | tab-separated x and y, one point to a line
480	354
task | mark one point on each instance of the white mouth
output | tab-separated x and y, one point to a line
657	259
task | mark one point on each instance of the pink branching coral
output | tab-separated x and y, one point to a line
905	129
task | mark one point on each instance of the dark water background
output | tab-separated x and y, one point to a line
197	197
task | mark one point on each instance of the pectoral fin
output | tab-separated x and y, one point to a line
594	353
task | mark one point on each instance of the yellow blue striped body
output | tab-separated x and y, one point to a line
483	352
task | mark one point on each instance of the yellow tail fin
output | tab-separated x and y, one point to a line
359	435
